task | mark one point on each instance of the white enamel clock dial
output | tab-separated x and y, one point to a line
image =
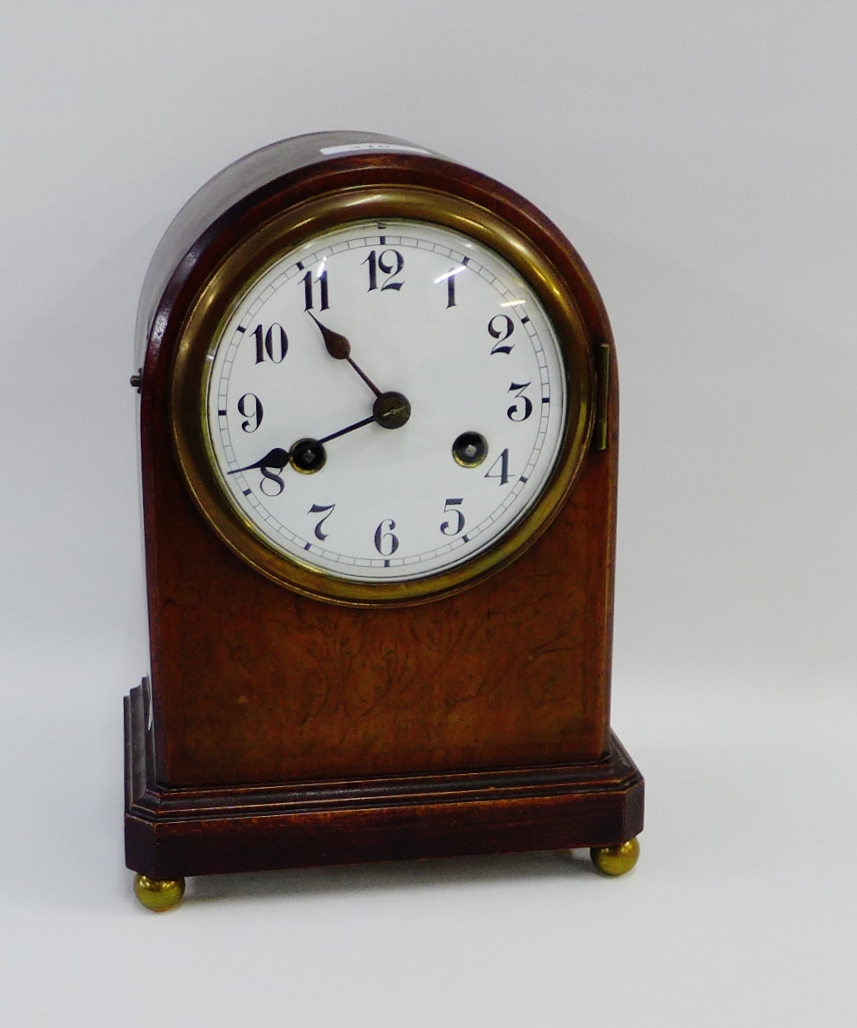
385	401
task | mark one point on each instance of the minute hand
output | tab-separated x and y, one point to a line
345	431
340	349
278	458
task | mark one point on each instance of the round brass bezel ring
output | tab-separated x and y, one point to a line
222	291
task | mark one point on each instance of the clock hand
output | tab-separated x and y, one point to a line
391	410
340	349
345	431
277	459
307	455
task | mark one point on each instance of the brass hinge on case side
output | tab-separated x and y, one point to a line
602	392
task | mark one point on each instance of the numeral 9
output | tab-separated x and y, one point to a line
251	407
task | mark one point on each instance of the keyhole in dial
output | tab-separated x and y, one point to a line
470	449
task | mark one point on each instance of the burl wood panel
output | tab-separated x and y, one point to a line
253	683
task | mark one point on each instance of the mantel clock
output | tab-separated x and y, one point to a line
378	430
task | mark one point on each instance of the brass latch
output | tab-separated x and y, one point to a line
602	392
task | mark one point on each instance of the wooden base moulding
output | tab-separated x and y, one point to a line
173	832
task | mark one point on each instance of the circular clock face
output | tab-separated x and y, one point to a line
385	401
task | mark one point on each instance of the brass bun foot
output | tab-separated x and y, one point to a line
616	860
159	894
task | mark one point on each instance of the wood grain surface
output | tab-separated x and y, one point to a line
255	685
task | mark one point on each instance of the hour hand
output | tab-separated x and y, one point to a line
337	345
275	459
307	455
390	410
340	349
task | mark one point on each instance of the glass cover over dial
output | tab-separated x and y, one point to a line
385	401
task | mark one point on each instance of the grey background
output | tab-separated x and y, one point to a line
701	158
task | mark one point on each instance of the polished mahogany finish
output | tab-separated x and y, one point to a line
171	833
286	730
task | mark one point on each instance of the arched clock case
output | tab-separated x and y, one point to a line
378	414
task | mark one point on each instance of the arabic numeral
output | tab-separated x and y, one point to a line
450	288
448	527
250	407
389	263
318	508
386	543
500	468
517	412
310	285
500	327
273	344
271	476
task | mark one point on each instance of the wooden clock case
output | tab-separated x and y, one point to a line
278	730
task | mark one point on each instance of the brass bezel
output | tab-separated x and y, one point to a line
221	292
